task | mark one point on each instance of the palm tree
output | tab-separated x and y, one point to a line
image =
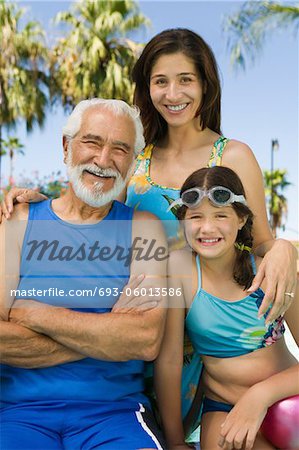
23	59
12	147
248	28
275	182
96	57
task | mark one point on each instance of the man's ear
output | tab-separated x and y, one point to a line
65	144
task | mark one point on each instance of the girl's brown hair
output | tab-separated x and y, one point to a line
194	47
206	178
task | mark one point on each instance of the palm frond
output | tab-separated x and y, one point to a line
95	56
249	27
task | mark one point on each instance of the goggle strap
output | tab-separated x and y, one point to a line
175	203
240	199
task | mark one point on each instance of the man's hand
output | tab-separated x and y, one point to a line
241	425
134	299
18	195
279	269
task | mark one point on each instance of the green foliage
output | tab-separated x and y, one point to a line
275	183
11	147
248	28
23	63
50	185
53	189
95	58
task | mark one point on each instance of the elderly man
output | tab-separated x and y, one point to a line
72	373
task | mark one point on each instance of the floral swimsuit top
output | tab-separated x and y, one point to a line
145	195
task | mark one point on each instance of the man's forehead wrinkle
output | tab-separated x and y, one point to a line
99	138
105	127
96	137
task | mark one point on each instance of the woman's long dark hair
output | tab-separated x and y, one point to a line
206	178
194	47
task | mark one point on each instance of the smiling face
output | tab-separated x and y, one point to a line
211	231
176	89
100	156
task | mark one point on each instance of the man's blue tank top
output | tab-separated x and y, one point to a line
90	264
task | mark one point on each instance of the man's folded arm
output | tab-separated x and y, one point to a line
20	346
111	336
108	336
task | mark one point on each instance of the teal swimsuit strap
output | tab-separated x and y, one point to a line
253	263
198	274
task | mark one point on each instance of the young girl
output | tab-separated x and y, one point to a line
247	366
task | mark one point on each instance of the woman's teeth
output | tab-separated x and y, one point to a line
177	107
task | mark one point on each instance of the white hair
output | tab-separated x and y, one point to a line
119	107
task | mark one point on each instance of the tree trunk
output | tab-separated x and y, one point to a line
275	225
11	155
0	155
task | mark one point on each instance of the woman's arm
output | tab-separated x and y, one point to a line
292	316
18	195
168	367
271	269
279	263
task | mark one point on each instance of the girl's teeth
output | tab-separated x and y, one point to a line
209	240
177	107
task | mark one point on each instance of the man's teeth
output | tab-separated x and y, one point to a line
177	107
209	240
100	175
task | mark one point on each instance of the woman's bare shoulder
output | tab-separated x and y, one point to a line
239	157
238	149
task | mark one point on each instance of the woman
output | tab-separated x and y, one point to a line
246	361
178	93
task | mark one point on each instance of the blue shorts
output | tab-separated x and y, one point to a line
210	405
78	426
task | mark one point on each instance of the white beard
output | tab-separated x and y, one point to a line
93	196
